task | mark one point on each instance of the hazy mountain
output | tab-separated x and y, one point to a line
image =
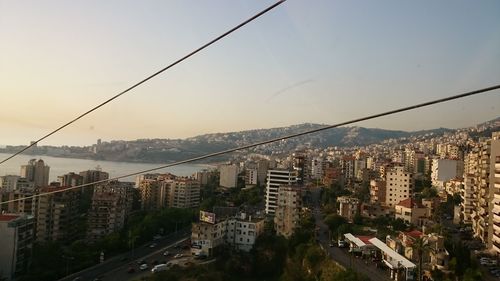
169	150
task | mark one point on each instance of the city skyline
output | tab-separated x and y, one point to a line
300	63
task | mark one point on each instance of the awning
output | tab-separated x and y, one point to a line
396	259
354	240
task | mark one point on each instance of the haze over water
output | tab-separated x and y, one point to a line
61	166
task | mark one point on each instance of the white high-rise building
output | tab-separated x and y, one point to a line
228	175
399	185
444	170
276	178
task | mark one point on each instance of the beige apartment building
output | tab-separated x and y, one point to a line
154	193
494	222
111	204
399	185
184	193
288	210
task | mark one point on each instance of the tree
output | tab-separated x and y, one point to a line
473	274
398	225
420	246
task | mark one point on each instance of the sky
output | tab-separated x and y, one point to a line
305	61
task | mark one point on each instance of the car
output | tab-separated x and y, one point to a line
166	253
159	268
331	245
157	237
152	245
200	257
130	270
143	266
342	244
178	256
97	279
139	262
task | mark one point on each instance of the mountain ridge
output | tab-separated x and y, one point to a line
171	150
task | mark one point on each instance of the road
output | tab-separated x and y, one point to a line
120	263
341	256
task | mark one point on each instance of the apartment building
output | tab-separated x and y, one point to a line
481	212
348	207
184	193
494	220
228	175
251	176
36	172
412	211
20	202
17	242
288	210
377	191
317	165
468	198
275	179
111	204
154	193
399	185
240	231
70	179
56	214
444	170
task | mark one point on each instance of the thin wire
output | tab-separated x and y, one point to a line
149	77
408	108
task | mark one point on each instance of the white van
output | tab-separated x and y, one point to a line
159	268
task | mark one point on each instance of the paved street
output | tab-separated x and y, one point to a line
116	267
341	255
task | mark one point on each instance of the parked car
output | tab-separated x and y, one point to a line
143	266
342	244
152	245
166	253
178	256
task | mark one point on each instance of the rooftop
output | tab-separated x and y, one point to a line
9	217
410	203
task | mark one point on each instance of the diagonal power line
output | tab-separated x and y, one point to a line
149	77
386	113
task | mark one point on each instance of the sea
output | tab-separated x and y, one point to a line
60	166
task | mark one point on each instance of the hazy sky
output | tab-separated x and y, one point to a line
306	61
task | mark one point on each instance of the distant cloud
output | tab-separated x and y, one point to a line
298	84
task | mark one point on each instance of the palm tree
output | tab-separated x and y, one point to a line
420	246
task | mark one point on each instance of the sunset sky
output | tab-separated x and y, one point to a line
305	61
